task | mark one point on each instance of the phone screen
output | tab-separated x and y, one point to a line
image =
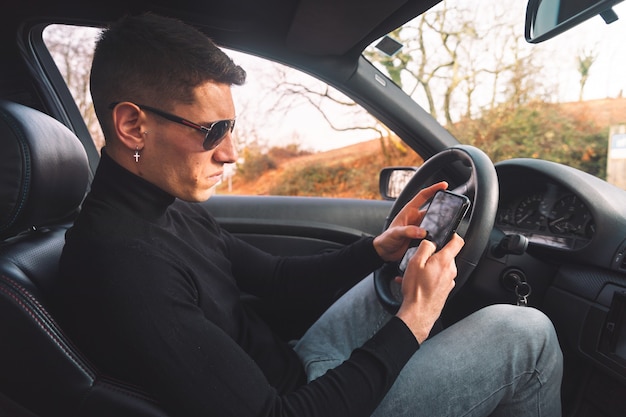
443	216
441	220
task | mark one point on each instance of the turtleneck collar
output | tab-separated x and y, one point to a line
117	186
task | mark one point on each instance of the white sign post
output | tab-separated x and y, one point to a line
616	161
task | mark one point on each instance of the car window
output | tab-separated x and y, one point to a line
467	63
296	135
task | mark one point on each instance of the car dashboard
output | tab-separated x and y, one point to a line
548	214
575	262
563	212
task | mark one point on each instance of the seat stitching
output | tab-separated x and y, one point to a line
44	326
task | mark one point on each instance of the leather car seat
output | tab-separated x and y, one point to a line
44	175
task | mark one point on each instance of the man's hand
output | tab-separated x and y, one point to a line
426	284
393	242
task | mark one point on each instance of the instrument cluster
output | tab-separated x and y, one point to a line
553	217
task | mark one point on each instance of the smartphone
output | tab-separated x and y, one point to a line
441	220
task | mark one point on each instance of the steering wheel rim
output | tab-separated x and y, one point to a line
482	189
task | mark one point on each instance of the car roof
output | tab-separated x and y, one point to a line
309	27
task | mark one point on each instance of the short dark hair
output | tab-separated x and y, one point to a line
153	59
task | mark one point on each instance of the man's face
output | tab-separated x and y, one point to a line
173	157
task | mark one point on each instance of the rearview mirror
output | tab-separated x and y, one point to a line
547	18
392	181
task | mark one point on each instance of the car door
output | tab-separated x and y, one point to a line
299	225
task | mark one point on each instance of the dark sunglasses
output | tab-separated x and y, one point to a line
213	134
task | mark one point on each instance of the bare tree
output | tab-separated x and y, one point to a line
279	95
448	52
72	49
585	60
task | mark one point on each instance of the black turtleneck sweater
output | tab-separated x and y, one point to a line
150	291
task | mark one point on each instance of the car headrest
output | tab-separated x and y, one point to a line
44	170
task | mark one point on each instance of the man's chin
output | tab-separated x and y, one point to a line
199	197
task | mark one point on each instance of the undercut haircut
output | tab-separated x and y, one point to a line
155	60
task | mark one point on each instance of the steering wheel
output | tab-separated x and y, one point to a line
481	188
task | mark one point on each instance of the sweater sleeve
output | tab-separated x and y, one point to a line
264	275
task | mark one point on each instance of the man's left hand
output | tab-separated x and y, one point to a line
393	242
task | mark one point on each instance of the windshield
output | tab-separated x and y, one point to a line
468	65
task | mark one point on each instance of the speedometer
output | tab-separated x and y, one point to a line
530	212
570	215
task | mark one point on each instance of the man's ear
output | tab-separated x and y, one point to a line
128	123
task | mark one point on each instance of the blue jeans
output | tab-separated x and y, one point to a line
503	360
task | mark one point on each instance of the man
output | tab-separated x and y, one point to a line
151	284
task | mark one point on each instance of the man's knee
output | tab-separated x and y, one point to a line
527	335
518	322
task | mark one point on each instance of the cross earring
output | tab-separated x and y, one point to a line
137	155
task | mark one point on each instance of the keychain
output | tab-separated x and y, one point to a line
522	291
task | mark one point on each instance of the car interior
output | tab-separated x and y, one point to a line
539	233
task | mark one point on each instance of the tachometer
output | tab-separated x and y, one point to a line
570	216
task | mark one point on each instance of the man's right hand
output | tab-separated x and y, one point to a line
427	282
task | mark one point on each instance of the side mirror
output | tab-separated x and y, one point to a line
392	181
547	18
